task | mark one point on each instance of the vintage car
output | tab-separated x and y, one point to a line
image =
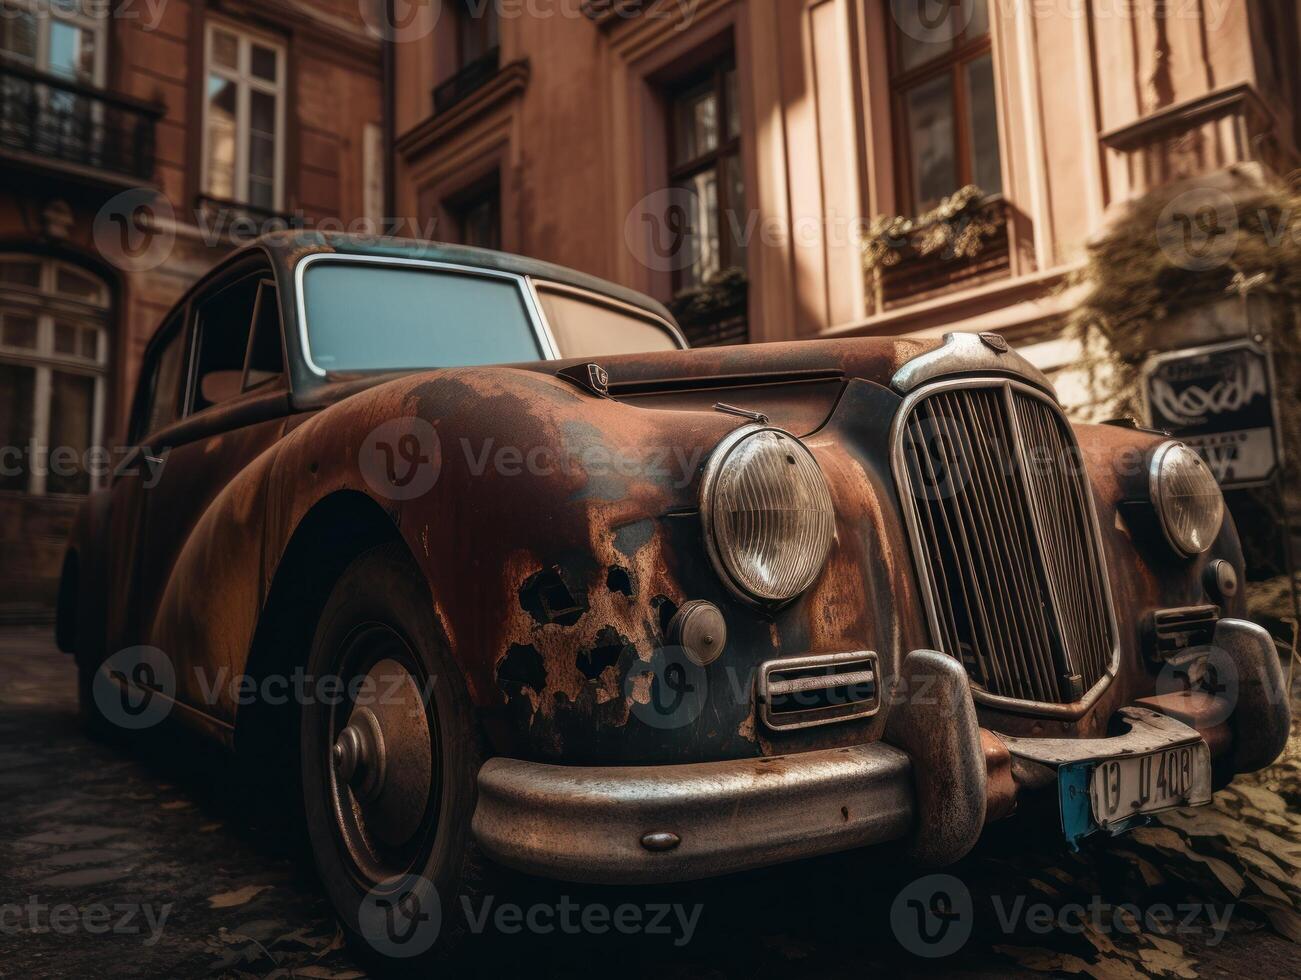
516	580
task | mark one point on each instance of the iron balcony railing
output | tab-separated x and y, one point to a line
55	119
469	79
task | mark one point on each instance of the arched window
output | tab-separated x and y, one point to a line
54	351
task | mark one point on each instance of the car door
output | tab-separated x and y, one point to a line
155	408
234	408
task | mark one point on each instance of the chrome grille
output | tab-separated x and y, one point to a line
1006	540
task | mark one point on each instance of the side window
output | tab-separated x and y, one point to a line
584	327
222	324
162	378
266	359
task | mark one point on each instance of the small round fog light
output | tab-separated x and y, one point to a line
699	628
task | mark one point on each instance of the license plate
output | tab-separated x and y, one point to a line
1123	788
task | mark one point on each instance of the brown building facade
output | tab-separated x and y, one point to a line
139	141
730	156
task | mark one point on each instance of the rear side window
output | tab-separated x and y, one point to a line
587	327
223	325
163	376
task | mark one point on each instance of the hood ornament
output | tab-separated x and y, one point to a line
995	342
968	354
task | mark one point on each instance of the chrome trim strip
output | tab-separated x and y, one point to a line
540	332
766	688
966	353
921	555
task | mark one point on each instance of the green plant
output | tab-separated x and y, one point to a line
959	226
720	294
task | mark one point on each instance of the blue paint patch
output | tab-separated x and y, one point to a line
631	538
1077	811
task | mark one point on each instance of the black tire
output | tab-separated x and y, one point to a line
93	722
381	608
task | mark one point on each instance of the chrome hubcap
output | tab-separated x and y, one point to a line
382	762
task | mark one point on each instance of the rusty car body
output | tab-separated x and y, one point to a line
633	713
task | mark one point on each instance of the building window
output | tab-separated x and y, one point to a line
57	38
477	30
705	171
945	107
244	112
476	214
53	367
478	54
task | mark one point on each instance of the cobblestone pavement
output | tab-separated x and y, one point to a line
146	861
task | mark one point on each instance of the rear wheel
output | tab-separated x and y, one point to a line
389	759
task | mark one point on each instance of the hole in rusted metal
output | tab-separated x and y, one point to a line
618	580
548	598
521	667
610	644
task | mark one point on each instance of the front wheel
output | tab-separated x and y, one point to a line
390	755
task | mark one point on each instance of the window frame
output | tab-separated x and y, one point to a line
954	64
464	17
541	330
259	268
715	159
458	206
45	15
46	305
539	286
245	83
175	326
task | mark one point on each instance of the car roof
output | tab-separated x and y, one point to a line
289	247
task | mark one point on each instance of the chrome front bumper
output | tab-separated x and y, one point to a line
934	786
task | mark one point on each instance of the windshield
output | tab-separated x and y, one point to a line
377	317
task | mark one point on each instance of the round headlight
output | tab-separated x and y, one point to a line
1188	499
767	514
